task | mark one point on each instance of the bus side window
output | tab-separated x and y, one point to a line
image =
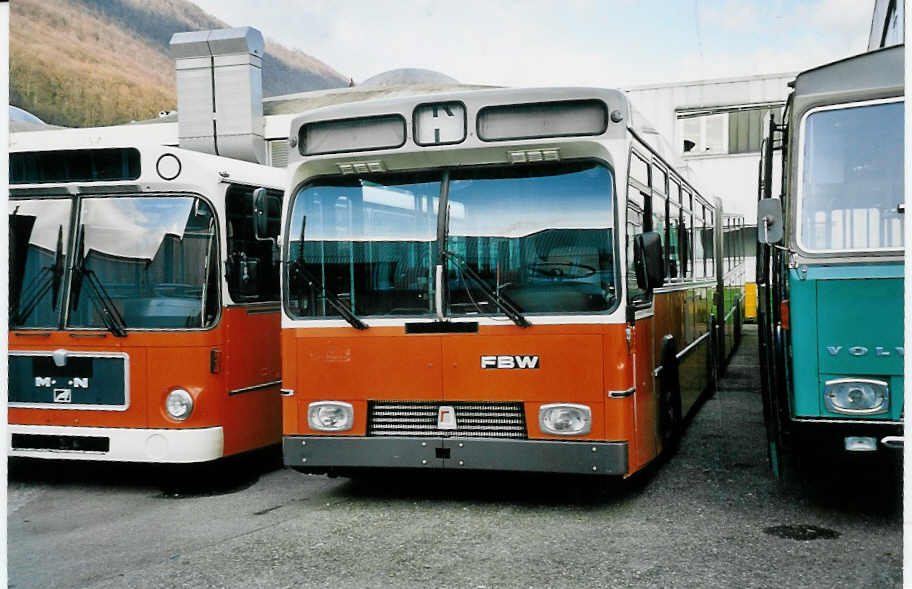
636	296
696	231
673	231
659	210
688	233
252	271
686	247
708	247
638	201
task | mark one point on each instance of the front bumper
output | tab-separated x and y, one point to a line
115	444
322	453
830	434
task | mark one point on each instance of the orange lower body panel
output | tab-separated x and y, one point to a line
582	364
228	395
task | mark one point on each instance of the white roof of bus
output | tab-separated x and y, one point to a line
149	138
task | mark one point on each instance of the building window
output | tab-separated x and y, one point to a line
704	135
746	128
731	131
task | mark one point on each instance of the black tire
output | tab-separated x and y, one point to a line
670	397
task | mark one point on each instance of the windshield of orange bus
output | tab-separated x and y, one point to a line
540	235
148	256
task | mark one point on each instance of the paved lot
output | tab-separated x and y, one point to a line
709	517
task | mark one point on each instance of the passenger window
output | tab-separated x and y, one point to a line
252	267
708	247
636	296
673	236
639	170
659	210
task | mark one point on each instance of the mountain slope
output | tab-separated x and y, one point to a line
103	62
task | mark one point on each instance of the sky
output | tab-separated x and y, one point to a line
605	43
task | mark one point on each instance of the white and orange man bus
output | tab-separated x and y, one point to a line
143	315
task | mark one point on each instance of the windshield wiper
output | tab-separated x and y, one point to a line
48	279
503	303
111	317
318	288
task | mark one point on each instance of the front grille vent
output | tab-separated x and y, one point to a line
278	153
473	419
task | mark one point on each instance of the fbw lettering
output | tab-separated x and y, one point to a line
510	362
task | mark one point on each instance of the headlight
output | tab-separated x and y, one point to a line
330	416
565	419
856	396
179	404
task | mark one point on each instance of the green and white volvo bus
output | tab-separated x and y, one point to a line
830	262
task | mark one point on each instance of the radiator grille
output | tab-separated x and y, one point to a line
473	419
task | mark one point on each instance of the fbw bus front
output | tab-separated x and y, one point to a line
143	301
497	279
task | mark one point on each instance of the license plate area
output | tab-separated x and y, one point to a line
68	380
61	443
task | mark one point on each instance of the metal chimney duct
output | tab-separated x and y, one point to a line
220	92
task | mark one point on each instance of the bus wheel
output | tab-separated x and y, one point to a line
670	397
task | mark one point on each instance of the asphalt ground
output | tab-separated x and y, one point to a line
709	516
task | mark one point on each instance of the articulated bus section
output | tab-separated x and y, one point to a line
144	323
495	280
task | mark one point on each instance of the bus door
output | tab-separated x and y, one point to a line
640	335
253	368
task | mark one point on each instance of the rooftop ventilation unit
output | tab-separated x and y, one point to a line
220	92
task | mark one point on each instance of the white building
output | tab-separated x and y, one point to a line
718	126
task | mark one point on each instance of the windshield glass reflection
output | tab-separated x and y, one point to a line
156	258
852	179
370	242
39	238
540	235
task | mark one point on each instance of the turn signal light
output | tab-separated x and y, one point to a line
784	317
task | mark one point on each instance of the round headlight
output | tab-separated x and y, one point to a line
179	404
565	419
330	416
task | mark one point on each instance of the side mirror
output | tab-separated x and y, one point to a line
260	214
769	220
647	252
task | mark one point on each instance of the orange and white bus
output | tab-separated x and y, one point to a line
498	279
143	305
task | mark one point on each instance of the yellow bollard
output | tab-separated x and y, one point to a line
750	302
